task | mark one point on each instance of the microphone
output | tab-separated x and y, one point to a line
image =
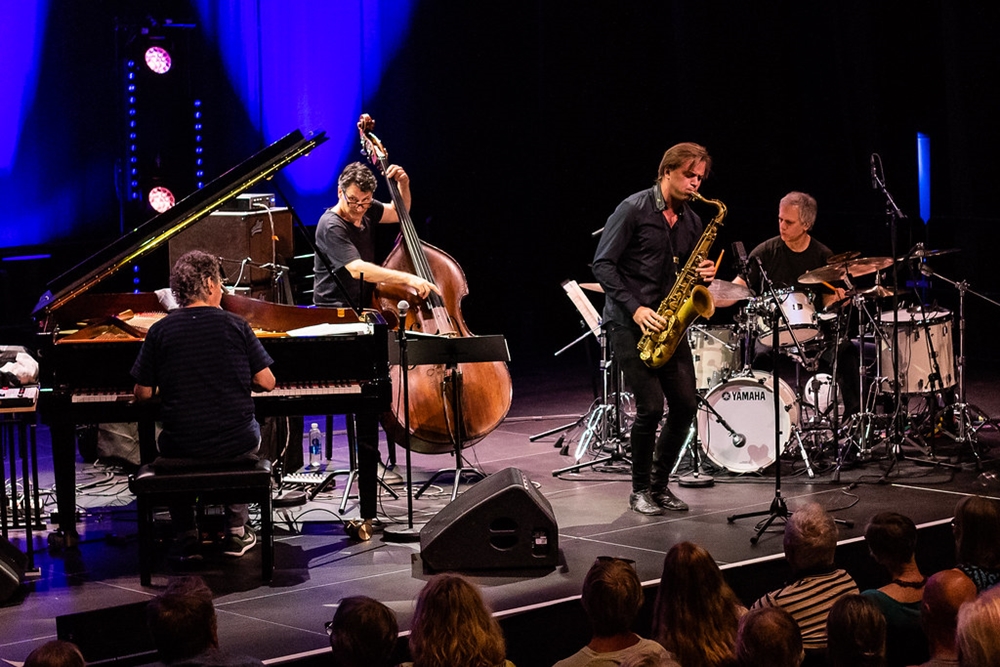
738	439
403	307
874	172
740	253
926	270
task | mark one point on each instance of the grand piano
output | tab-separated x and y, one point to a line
91	339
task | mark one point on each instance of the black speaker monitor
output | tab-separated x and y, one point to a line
12	564
502	522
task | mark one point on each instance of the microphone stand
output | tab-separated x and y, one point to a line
410	533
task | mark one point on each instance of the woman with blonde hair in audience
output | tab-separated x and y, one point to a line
452	626
978	633
697	614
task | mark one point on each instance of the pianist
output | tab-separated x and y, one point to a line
204	362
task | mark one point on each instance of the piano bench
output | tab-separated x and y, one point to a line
193	482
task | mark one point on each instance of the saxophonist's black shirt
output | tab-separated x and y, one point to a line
639	254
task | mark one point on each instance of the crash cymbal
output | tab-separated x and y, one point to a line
920	253
592	287
723	289
843	257
877	292
861	266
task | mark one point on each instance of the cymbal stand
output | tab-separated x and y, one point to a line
604	422
967	428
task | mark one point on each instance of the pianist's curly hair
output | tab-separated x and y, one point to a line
189	279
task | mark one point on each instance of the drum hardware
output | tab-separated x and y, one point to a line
692	445
967	426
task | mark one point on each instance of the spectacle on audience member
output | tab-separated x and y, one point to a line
892	541
768	637
184	627
612	596
810	544
978	632
855	630
453	626
945	593
363	633
977	540
696	613
55	653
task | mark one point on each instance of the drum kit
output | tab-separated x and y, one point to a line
736	423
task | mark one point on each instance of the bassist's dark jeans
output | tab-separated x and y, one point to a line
652	456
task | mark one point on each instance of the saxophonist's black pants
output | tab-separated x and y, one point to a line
652	456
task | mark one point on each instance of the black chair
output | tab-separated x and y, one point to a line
166	482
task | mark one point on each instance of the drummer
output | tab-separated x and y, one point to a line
785	258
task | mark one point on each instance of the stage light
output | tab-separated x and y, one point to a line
158	59
161	198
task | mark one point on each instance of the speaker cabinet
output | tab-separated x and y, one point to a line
502	522
12	564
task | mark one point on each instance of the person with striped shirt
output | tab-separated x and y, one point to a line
810	543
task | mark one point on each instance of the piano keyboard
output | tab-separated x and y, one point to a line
298	389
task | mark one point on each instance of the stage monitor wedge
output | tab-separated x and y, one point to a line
500	523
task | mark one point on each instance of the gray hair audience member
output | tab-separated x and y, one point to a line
363	633
184	627
978	632
892	541
810	545
612	597
945	593
769	637
55	653
855	630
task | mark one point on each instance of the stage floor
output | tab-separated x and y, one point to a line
317	564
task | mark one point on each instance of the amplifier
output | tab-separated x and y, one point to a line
248	201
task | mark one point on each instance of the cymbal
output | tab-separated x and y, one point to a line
723	289
843	257
877	292
861	266
592	287
920	253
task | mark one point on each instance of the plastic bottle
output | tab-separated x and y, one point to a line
315	445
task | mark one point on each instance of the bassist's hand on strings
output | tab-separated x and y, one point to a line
422	287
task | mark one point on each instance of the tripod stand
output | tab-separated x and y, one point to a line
605	425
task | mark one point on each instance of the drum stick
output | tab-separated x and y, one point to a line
719	261
829	285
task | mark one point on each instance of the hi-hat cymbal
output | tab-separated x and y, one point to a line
854	268
723	289
920	253
877	292
592	287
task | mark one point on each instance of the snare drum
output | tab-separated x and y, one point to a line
746	405
716	352
918	334
797	306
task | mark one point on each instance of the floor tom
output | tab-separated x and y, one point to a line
922	335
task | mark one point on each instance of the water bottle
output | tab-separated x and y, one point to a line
315	445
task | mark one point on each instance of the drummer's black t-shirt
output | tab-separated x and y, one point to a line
784	266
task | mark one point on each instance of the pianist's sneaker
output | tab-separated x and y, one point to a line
237	545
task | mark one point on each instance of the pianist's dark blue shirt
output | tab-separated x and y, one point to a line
202	360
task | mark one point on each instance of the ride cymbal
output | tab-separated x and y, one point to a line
854	268
723	289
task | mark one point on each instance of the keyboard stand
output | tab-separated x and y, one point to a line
352	471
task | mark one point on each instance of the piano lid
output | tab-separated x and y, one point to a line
156	231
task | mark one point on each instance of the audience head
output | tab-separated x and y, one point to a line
182	620
55	653
944	593
696	613
612	596
978	633
192	275
855	631
363	633
977	532
452	626
810	538
891	539
769	637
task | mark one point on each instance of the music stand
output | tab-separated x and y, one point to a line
429	349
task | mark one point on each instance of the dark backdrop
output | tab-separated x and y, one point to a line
524	124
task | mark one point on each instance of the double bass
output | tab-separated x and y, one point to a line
486	387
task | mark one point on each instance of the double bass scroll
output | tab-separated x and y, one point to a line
486	387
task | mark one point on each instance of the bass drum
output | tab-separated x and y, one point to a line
746	405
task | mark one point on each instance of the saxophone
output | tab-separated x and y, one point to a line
687	299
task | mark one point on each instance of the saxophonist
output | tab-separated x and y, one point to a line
645	243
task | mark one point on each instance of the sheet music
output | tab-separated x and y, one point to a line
583	304
334	329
